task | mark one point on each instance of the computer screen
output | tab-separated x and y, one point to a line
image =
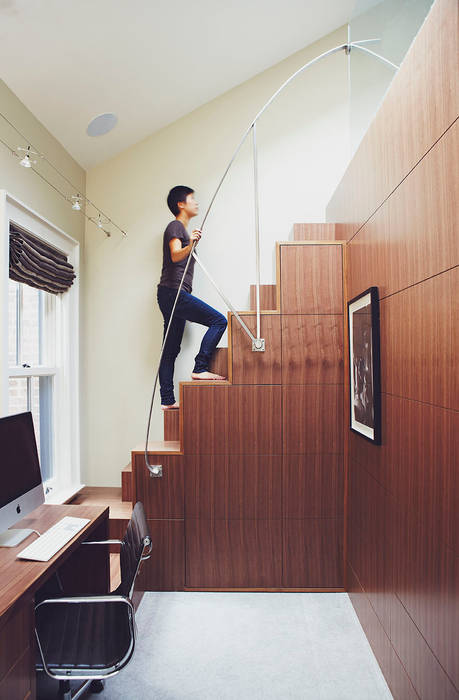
19	464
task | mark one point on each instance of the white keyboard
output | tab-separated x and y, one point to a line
53	539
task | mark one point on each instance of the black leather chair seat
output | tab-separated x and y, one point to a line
89	636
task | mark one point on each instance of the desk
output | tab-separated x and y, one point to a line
82	570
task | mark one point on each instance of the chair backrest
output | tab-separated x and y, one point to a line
136	546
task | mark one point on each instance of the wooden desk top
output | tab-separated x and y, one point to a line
19	576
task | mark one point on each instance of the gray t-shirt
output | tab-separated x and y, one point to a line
171	274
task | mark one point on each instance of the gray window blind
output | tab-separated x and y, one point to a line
38	264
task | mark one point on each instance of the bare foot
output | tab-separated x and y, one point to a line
172	405
206	375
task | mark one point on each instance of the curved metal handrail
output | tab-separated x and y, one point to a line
154	470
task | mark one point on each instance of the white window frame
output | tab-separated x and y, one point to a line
66	409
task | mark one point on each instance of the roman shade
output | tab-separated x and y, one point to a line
36	263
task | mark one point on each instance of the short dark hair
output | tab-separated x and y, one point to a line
178	194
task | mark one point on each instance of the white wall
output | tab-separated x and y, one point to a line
304	149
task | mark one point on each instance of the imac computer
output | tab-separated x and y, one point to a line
21	487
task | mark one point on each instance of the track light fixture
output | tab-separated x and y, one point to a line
26	162
101	222
76	206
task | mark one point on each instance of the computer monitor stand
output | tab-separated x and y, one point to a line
11	538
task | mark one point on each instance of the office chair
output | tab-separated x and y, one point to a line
92	637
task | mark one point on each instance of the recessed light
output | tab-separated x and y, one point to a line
102	124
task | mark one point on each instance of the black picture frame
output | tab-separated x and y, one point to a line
365	365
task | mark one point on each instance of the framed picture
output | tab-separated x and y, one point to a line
364	365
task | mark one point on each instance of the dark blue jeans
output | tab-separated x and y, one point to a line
189	308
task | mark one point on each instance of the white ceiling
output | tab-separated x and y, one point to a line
148	61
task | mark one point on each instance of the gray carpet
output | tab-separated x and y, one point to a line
248	646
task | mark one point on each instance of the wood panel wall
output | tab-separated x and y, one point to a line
398	204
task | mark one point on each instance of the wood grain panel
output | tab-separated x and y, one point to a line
420	320
314	232
165	569
171	424
232	419
414	234
219	363
18	684
312	349
312	553
370	546
233	553
416	463
409	120
233	486
126	483
256	367
268	297
391	666
311	279
312	486
313	419
426	582
162	497
16	629
423	668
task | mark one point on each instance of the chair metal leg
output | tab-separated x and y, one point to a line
97	686
65	692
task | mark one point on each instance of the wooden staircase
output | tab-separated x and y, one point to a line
251	495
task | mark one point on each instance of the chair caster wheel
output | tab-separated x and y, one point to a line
96	686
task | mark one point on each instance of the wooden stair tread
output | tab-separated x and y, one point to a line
160	446
105	496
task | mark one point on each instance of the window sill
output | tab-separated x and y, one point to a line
63	495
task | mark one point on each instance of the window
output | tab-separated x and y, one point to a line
33	366
39	352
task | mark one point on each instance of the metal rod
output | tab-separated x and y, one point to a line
149	466
225	298
257	222
376	55
273	97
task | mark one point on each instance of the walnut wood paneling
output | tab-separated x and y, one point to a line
232	419
126	483
162	497
420	320
218	364
256	367
312	553
171	424
391	666
312	349
233	553
311	279
165	569
268	297
312	486
233	486
312	419
15	634
18	684
409	120
314	232
414	234
417	463
411	580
